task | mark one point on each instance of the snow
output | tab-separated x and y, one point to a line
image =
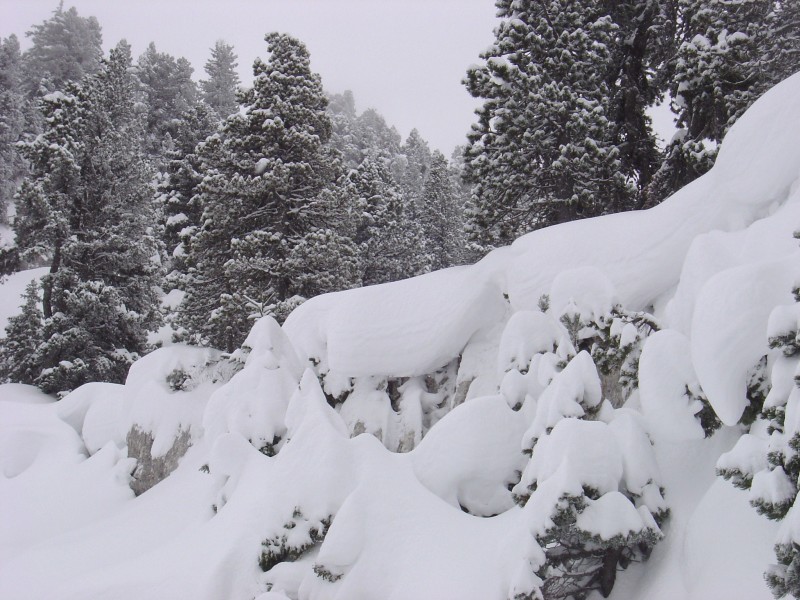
729	328
611	515
666	372
273	463
150	404
404	328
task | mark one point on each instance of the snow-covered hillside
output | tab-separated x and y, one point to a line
581	386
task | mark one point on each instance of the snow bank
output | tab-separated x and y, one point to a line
399	329
283	496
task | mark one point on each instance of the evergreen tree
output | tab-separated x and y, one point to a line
645	29
99	299
358	136
12	122
715	77
544	149
219	90
180	210
414	170
65	48
442	216
779	46
264	193
383	233
168	91
23	336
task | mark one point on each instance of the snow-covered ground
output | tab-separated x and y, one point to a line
451	376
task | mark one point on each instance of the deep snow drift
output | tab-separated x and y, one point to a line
418	439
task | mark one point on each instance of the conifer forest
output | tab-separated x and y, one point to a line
258	345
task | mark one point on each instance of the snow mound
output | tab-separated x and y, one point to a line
289	489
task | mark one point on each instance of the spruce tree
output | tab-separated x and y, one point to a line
23	336
544	150
12	122
264	192
442	216
414	170
388	249
219	90
168	92
99	299
715	76
65	48
180	210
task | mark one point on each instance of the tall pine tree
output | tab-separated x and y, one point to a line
219	90
12	122
66	47
715	76
442	216
90	178
544	148
168	92
266	202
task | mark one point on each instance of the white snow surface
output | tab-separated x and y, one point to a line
716	263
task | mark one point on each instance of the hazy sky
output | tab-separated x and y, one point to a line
406	58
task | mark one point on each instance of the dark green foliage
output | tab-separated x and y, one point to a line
544	149
325	573
267	196
168	92
89	186
784	578
726	55
578	563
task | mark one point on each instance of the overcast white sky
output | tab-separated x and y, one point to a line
406	58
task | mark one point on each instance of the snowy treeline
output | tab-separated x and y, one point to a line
337	410
132	181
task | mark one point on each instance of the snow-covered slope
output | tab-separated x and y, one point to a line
485	380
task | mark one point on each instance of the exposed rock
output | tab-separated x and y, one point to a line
149	469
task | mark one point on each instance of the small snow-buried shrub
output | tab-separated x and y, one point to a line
299	535
324	573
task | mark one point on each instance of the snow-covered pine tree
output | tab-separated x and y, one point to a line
543	150
99	299
66	47
12	121
23	336
714	77
357	136
414	170
442	216
219	90
168	92
263	193
180	211
591	490
642	44
766	460
382	233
